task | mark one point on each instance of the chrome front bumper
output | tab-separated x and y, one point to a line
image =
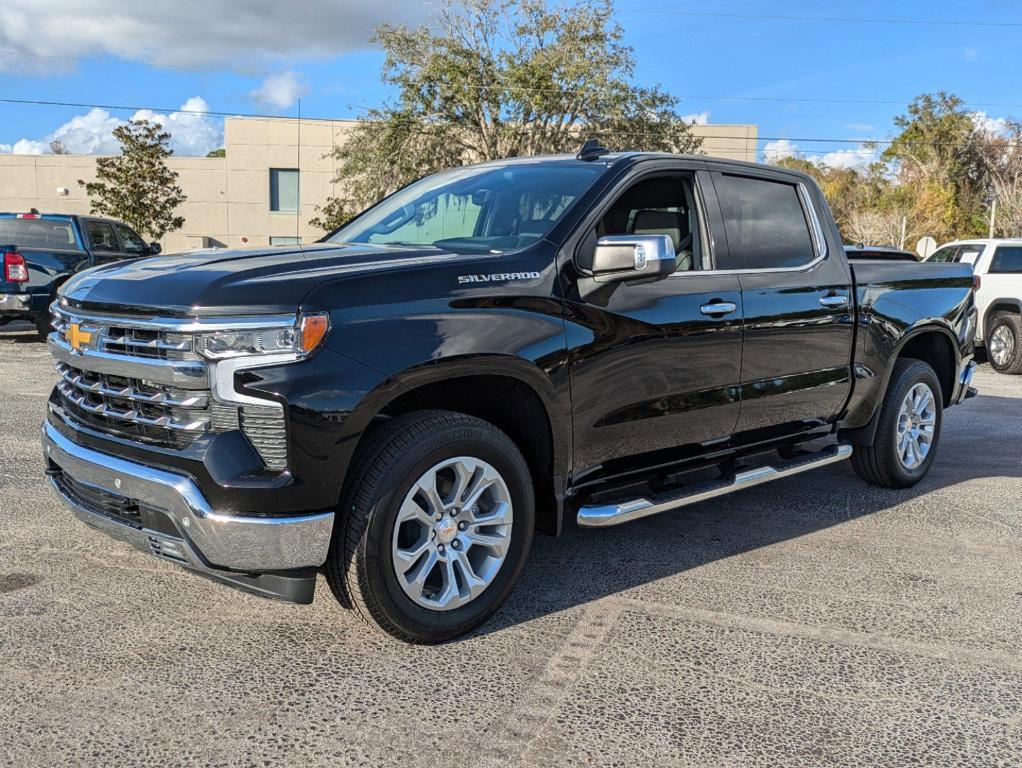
209	542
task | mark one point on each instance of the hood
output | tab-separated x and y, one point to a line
234	281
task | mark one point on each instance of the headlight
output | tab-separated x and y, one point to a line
299	340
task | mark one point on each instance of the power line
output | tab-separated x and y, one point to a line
427	128
835	19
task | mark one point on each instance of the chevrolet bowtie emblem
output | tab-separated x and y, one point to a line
78	338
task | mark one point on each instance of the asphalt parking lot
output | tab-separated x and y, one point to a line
814	621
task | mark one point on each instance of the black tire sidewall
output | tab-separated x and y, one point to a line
397	480
917	373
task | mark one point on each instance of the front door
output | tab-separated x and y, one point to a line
654	366
797	297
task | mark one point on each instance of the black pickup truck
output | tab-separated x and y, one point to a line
42	250
488	352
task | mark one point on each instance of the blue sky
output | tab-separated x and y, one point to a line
258	56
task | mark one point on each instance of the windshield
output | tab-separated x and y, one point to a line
476	209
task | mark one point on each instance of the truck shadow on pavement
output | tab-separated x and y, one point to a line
586	565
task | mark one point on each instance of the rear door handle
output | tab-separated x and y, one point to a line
834	301
718	308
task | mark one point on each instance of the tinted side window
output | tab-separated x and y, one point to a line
945	254
765	223
1008	258
101	236
130	242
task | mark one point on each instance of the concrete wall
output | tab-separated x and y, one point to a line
229	197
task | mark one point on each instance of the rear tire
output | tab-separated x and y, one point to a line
43	325
1004	343
415	564
908	431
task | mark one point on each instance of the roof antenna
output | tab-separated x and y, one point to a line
591	150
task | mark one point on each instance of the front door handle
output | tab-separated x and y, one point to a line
834	301
718	308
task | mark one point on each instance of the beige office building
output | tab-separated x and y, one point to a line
264	191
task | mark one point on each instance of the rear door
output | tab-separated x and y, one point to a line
797	301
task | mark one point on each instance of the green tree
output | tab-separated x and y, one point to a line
500	78
136	186
939	163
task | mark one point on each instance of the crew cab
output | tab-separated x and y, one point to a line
997	266
494	350
41	250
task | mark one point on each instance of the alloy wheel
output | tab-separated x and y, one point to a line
917	425
1002	346
452	533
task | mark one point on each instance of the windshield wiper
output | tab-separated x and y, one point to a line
415	245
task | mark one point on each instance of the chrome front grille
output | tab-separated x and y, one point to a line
144	379
116	336
133	407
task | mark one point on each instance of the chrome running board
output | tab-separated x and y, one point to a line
603	515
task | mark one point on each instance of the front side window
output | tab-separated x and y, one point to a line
765	223
476	209
658	205
101	236
284	190
1007	258
130	241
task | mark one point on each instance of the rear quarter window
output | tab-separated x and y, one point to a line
1007	259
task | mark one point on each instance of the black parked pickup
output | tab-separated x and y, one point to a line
42	250
485	353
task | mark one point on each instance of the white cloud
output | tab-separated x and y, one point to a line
192	132
855	159
780	149
858	158
861	127
698	118
971	54
997	126
189	34
280	91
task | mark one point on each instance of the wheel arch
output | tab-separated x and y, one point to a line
1005	304
513	394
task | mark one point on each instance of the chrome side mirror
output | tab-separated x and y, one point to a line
633	257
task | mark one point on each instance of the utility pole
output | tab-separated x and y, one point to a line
993	216
904	223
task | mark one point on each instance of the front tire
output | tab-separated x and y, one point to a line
908	431
437	525
1004	344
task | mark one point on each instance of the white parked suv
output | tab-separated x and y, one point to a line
998	266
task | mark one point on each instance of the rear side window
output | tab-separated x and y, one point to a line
946	254
101	236
37	233
1007	258
765	222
